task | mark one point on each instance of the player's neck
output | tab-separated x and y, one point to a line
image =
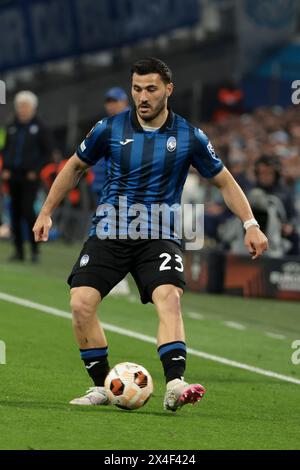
156	122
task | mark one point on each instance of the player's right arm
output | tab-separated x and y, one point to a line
67	178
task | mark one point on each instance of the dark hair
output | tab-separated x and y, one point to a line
270	161
152	65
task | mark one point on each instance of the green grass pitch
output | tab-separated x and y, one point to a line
241	410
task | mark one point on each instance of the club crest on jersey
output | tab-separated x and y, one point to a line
171	144
84	260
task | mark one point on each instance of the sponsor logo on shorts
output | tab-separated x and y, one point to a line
84	260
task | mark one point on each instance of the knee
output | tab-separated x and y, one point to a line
83	307
167	298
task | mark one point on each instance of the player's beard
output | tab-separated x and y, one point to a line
156	111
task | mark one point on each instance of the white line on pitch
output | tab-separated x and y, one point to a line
233	324
149	339
194	315
275	335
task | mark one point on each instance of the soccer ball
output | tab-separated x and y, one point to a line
128	385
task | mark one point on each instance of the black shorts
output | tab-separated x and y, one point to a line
102	264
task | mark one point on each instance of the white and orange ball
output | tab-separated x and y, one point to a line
128	385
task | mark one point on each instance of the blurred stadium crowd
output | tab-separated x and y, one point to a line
261	150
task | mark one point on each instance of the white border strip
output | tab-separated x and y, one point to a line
148	339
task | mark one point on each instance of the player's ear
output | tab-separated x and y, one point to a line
170	88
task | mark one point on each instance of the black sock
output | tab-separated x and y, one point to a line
96	364
173	357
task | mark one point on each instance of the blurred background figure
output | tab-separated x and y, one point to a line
116	101
229	101
268	174
26	151
72	217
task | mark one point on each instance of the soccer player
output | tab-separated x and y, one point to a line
149	150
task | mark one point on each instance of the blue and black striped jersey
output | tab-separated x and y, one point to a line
147	167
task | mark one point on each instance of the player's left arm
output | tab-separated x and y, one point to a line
235	199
